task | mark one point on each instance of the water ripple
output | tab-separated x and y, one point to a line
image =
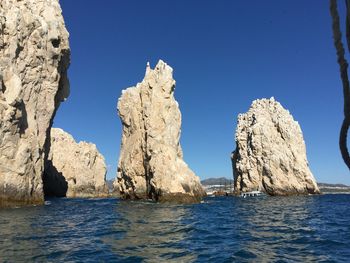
225	229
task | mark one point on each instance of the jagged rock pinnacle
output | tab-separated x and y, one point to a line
151	163
270	153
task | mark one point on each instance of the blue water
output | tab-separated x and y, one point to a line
222	229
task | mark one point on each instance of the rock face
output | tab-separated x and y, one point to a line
34	57
74	169
151	163
270	152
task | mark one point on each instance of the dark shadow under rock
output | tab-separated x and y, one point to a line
54	182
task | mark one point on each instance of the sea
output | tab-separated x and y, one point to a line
220	229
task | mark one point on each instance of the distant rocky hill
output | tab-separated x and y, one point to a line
324	187
216	181
110	184
334	188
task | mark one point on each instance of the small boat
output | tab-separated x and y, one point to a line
252	193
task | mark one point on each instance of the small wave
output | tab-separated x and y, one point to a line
303	229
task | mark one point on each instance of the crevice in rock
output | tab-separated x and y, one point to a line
151	191
55	185
19	49
128	182
186	187
23	120
264	186
49	170
56	42
3	87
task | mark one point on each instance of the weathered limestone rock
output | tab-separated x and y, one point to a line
74	169
34	57
151	163
270	152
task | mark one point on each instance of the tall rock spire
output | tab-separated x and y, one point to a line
151	164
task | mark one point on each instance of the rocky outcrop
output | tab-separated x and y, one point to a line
270	152
34	57
151	163
74	169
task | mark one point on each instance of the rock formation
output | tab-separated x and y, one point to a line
74	169
34	57
270	152
151	164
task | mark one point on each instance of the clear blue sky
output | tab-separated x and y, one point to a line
225	54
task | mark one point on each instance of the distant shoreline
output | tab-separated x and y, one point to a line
223	184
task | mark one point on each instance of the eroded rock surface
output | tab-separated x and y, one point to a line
270	153
34	57
74	169
151	163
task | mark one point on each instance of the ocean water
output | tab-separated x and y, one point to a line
221	229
